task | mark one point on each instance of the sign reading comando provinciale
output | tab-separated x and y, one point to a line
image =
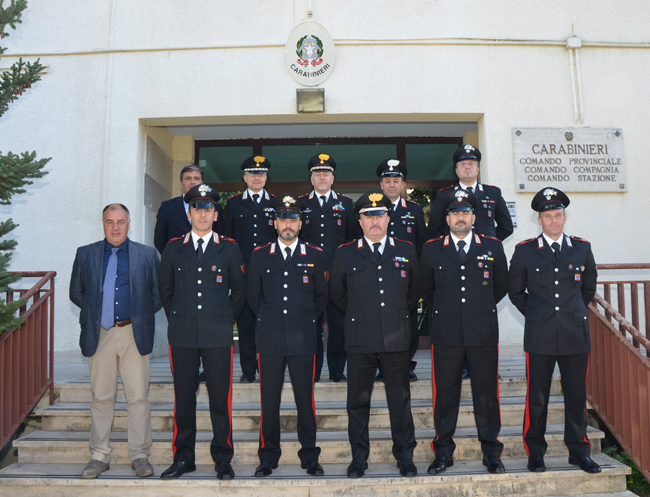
309	53
571	159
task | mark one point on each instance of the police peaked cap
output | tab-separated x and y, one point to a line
256	164
392	168
460	200
202	196
322	162
549	198
467	152
373	203
287	206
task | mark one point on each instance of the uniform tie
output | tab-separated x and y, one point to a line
376	246
470	189
199	249
556	249
256	197
461	250
323	200
287	251
108	299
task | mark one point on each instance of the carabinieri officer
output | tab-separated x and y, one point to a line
202	289
287	290
552	280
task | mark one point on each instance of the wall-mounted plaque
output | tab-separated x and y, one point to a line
309	53
571	159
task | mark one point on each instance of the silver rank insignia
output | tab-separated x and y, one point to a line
204	190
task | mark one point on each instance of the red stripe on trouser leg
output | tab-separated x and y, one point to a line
230	399
498	396
171	364
526	413
587	410
433	395
259	369
313	401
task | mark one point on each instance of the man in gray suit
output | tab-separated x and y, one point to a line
115	283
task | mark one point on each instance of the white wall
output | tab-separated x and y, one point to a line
85	112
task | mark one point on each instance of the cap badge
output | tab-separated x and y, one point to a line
461	195
392	164
469	148
374	198
288	201
204	190
323	158
549	192
258	160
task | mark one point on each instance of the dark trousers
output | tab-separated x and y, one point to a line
319	350
246	333
539	371
415	341
301	372
217	364
446	367
336	355
361	378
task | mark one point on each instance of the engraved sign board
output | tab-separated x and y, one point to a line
571	159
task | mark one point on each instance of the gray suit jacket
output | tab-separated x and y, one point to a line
86	285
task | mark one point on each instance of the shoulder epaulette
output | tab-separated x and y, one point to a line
435	239
271	195
404	241
227	239
488	237
261	247
349	243
235	195
303	196
447	187
314	247
177	238
411	202
344	196
491	186
526	241
578	239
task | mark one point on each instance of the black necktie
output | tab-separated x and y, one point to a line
376	250
470	189
287	251
256	197
199	249
461	250
556	248
323	200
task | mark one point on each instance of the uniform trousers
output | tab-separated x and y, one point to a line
447	365
246	334
301	372
117	351
539	372
361	378
336	356
217	364
415	340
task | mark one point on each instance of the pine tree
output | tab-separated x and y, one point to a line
16	171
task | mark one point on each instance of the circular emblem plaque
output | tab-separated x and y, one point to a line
309	53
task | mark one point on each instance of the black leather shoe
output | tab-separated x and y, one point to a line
178	469
264	469
587	464
494	464
224	471
316	379
413	376
407	468
247	378
202	377
357	468
440	464
338	377
536	464
313	468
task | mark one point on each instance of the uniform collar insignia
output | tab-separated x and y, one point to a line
477	239
391	241
446	242
303	249
403	202
540	242
215	238
272	251
360	243
187	238
568	241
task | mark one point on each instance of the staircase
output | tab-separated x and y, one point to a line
50	460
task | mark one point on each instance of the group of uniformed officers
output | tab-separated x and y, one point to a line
286	265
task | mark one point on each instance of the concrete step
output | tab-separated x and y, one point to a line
330	415
163	391
465	479
72	447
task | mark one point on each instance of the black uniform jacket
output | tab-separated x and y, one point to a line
250	223
287	298
376	297
407	223
553	295
463	296
491	209
329	226
172	222
202	300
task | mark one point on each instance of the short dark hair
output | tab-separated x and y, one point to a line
191	168
116	206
